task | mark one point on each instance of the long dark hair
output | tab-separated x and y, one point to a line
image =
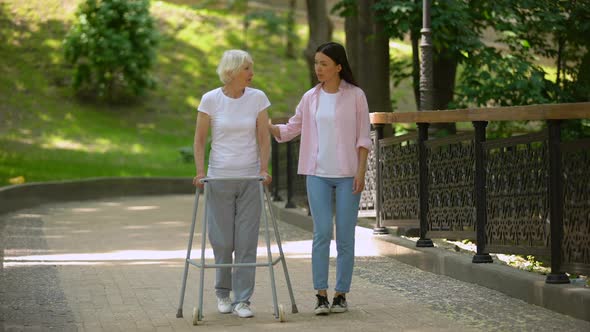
337	53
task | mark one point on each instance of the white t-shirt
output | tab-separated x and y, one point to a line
234	148
327	162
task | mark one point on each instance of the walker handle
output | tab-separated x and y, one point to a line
208	179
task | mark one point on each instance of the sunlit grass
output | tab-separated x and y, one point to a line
47	134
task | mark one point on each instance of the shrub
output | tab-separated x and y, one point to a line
112	47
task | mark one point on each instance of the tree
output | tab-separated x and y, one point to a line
320	31
112	46
456	27
367	45
505	75
291	36
555	29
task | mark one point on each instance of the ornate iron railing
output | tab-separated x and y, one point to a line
527	194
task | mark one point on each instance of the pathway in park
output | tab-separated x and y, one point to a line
116	265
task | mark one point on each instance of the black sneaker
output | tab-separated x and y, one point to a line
323	306
339	304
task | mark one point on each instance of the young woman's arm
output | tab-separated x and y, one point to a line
363	143
274	130
359	178
290	130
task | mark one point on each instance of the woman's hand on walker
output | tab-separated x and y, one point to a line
267	178
196	180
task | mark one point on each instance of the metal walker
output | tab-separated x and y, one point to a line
279	311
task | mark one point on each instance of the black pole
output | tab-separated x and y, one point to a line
379	229
423	186
426	72
480	194
555	195
275	171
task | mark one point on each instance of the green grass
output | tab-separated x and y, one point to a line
48	134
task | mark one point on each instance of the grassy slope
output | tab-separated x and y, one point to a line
46	134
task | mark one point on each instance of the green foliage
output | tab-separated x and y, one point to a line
400	69
112	46
508	72
267	24
400	16
344	8
47	135
491	77
555	29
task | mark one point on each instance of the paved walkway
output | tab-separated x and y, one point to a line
116	265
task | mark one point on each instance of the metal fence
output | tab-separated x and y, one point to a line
528	194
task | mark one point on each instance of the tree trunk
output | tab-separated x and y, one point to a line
444	72
582	84
353	50
368	51
291	36
320	31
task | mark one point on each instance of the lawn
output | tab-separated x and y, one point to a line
46	133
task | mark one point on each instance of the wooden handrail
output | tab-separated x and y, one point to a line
510	113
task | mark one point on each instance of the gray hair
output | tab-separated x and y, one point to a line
230	64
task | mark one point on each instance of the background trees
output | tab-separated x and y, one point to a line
112	47
508	69
367	45
320	31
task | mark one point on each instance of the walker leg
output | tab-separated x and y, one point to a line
282	255
203	243
188	255
271	265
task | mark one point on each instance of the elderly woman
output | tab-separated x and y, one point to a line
240	147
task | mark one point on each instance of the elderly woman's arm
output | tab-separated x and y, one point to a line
201	133
264	144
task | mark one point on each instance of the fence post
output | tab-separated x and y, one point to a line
481	216
275	170
290	204
378	229
423	185
555	196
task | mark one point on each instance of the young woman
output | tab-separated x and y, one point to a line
240	147
333	120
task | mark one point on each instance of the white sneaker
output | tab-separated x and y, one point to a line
224	305
243	310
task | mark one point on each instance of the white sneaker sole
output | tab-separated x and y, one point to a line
243	315
322	311
227	311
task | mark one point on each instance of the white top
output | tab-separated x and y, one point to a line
327	162
234	148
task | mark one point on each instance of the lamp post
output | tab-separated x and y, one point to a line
426	96
426	81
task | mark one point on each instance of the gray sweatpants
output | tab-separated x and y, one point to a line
233	214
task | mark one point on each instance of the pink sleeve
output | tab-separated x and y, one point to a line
363	123
292	128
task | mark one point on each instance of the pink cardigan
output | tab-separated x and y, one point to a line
352	127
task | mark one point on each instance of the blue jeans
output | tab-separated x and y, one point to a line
319	194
